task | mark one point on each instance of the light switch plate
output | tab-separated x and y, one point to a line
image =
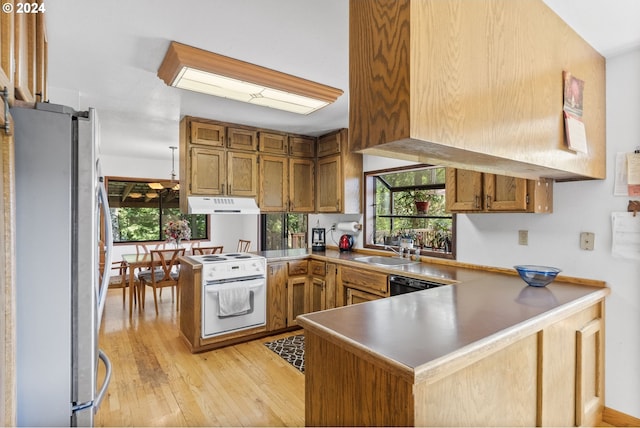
523	237
587	240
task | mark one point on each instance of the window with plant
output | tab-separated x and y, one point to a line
405	207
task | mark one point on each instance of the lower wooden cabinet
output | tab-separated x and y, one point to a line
354	296
297	298
366	284
276	296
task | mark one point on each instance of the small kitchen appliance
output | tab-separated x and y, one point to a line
318	242
346	242
233	292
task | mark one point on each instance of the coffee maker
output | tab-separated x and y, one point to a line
318	239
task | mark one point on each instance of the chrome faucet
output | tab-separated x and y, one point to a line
399	253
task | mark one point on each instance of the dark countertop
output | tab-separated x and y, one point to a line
481	307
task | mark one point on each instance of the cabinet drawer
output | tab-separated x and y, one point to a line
364	280
329	144
243	139
298	267
318	268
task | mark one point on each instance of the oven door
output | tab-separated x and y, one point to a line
216	321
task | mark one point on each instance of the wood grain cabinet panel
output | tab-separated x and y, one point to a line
274	185
208	171
242	139
298	301
301	185
372	282
25	56
270	142
303	147
242	174
472	191
276	296
338	175
208	134
419	90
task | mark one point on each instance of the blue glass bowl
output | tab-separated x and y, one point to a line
537	276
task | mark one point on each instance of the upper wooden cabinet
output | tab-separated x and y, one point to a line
301	185
301	146
206	133
273	143
274	183
209	166
480	83
472	191
338	175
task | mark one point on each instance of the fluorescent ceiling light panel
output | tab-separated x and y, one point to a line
197	70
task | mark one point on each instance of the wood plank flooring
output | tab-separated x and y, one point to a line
156	381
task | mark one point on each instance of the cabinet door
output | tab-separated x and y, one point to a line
242	139
301	185
330	285
297	302
273	143
242	174
208	134
276	296
329	144
504	193
7	47
274	187
464	190
207	171
356	296
303	147
25	56
317	295
329	184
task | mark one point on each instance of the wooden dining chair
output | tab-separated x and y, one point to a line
243	245
207	250
119	278
142	249
165	272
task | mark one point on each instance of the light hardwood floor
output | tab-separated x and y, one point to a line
156	381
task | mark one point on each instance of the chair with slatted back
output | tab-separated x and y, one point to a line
243	245
119	278
165	273
206	250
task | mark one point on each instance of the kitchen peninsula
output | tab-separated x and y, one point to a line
486	351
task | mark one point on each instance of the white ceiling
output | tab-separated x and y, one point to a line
105	54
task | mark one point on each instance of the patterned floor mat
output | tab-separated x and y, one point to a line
291	349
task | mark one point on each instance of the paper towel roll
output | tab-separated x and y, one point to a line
349	226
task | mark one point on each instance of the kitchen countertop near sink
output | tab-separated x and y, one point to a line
428	268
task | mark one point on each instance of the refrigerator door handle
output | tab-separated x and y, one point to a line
105	383
95	404
103	203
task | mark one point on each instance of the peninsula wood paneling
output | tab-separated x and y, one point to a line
475	85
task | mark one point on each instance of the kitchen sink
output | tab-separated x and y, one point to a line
385	261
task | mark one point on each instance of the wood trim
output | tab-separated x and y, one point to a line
619	419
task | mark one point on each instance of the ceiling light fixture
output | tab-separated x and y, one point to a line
173	184
198	70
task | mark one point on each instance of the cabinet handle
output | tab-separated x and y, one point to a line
488	201
477	199
222	189
228	188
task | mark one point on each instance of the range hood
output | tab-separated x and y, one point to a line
222	205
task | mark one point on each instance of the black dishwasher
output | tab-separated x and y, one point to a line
402	284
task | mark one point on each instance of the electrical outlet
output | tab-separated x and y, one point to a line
333	226
523	237
587	240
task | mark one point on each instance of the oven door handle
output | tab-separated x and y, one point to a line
252	285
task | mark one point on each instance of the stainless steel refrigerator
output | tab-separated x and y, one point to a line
60	296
